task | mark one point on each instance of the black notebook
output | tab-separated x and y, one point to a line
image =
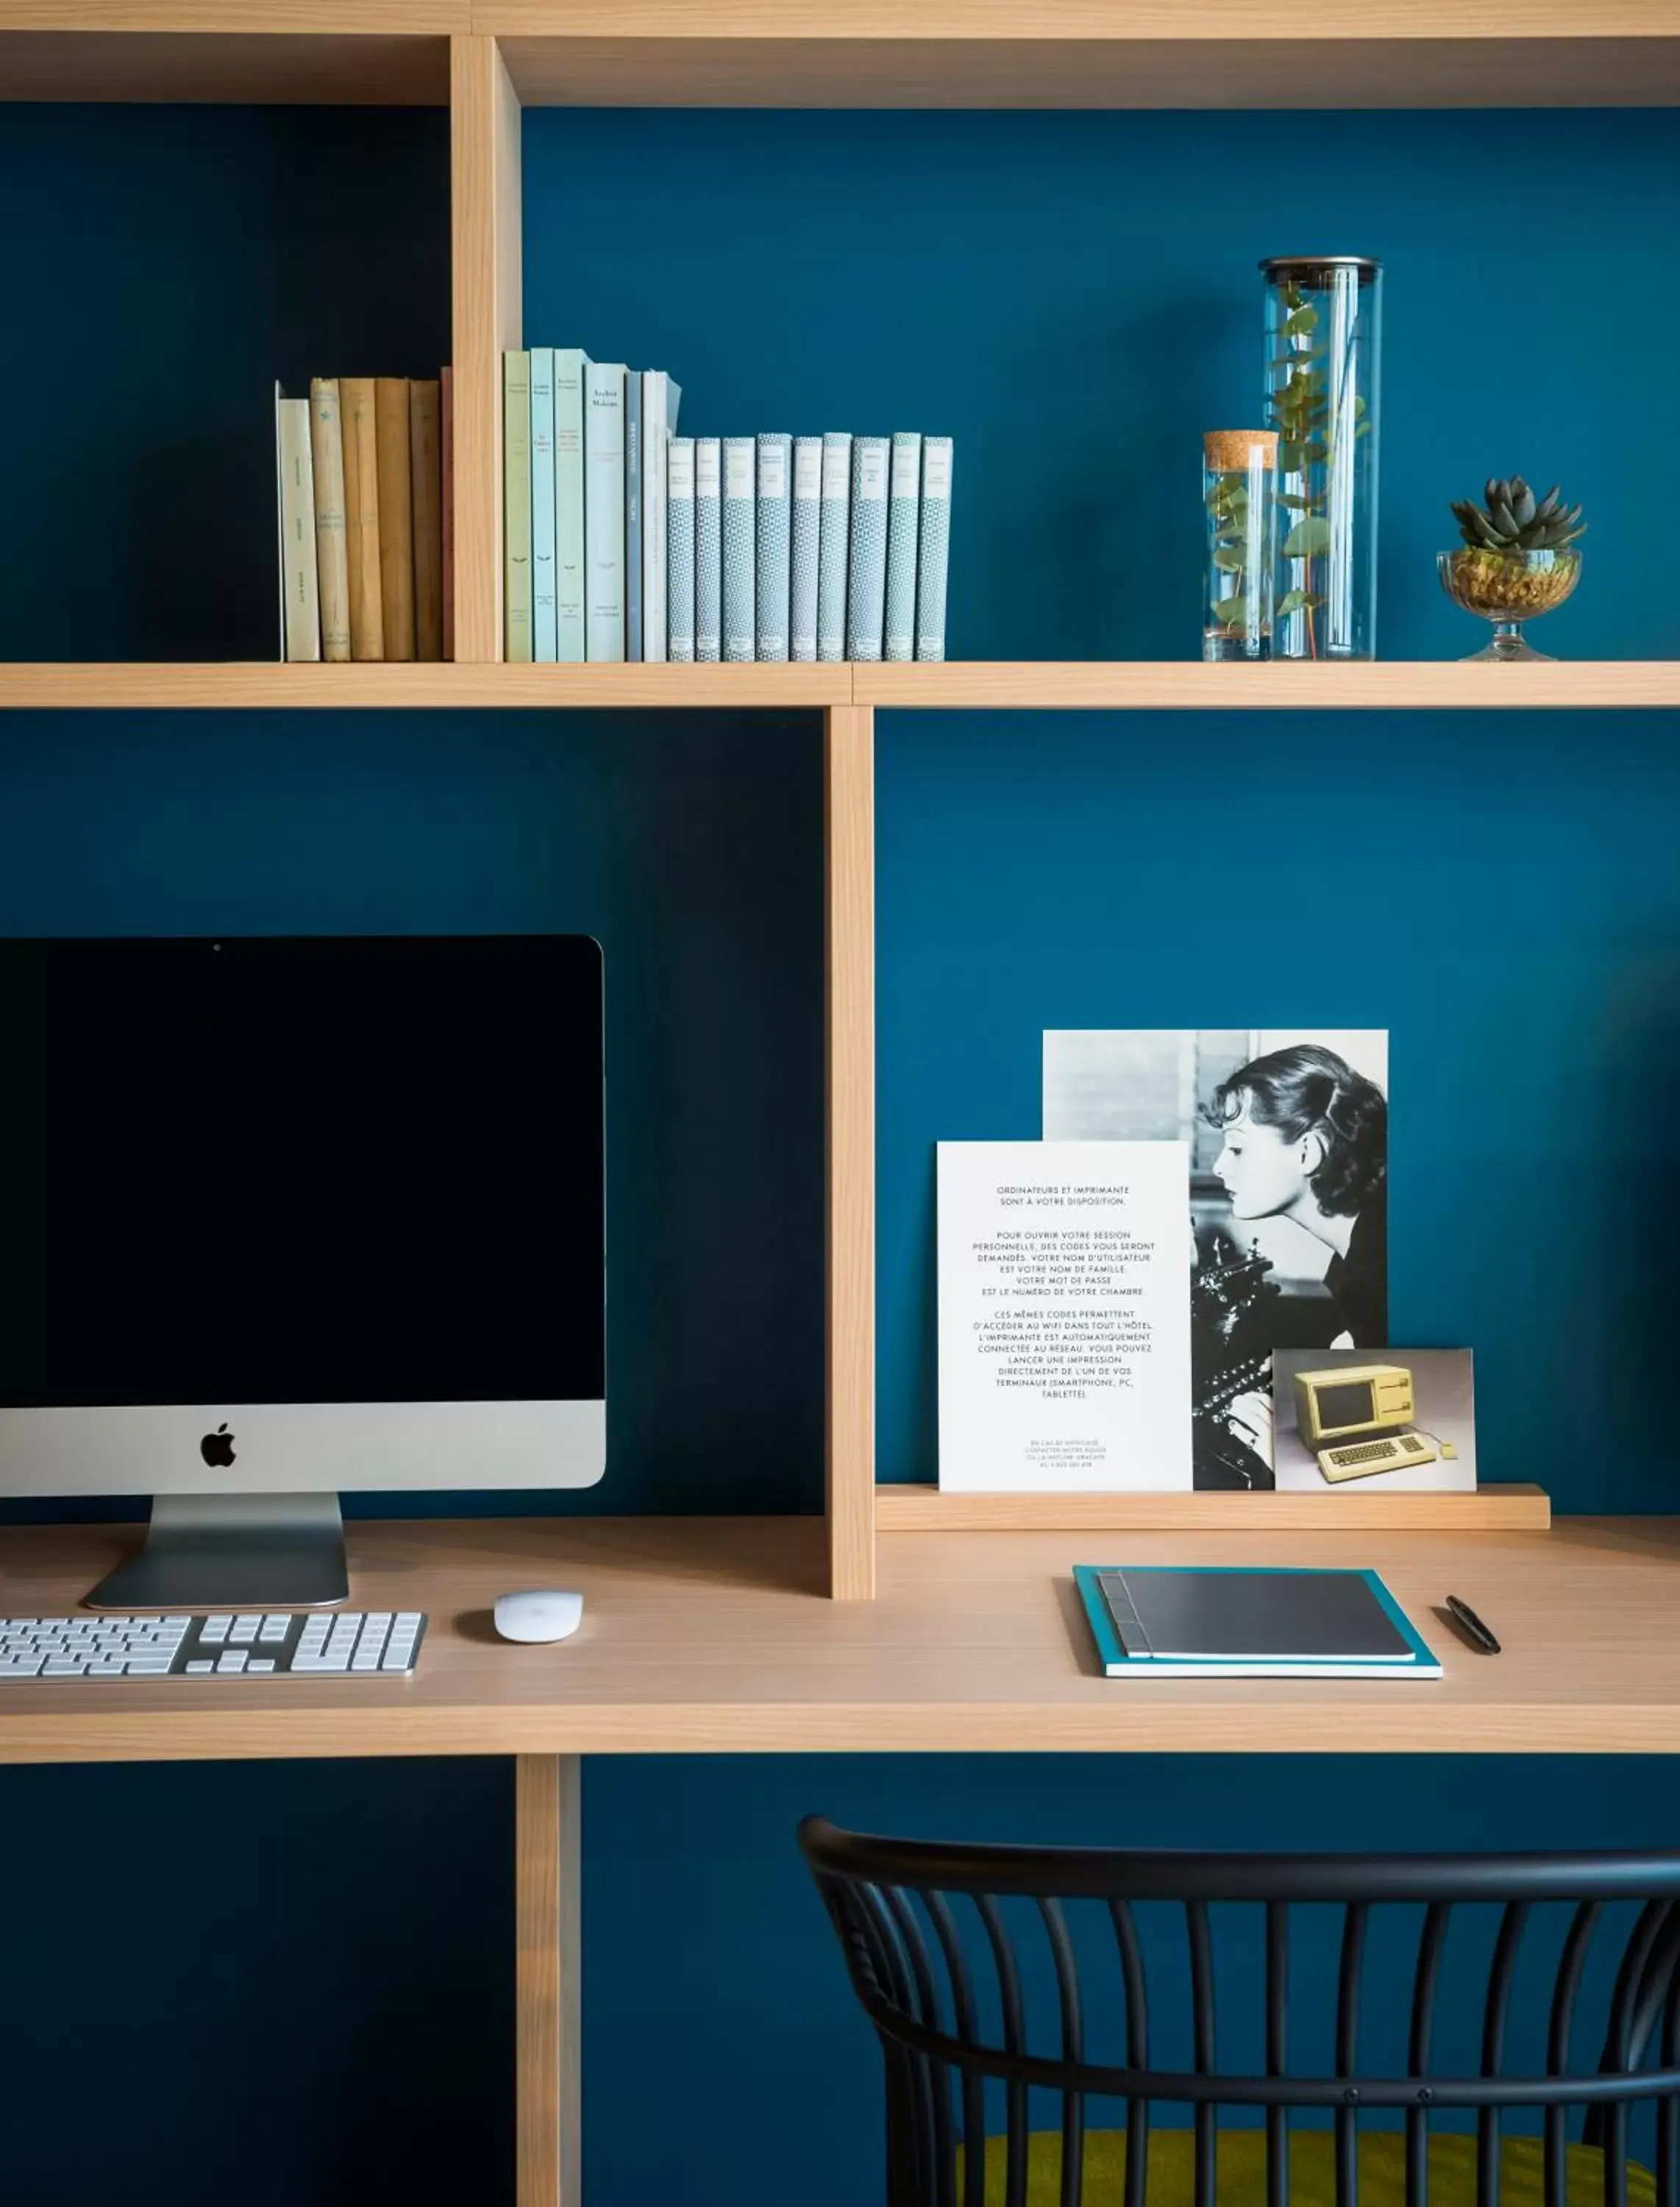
1185	1621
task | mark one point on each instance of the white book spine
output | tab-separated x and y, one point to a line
661	400
740	633
776	458
570	570
867	592
833	546
933	549
679	548
804	548
544	636
904	498
708	549
604	511
300	584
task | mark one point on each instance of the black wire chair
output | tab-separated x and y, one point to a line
1024	1982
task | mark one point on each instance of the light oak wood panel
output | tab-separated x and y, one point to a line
716	1636
486	230
139	687
549	1919
1153	685
1349	1508
911	70
315	68
849	909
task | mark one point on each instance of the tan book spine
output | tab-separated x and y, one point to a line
362	517
447	440
327	442
426	480
391	402
297	531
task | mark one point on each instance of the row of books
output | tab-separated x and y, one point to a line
624	539
365	514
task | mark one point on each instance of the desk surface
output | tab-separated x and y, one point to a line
710	1635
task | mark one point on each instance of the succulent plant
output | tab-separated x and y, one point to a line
1515	520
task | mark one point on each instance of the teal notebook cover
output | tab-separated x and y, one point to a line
1237	1621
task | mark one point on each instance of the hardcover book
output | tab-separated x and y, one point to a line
661	399
447	443
805	548
771	585
300	589
362	517
604	509
904	497
866	604
426	470
516	506
543	630
933	550
326	452
632	513
740	634
679	548
570	368
708	549
833	546
396	475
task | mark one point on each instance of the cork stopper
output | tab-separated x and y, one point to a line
1226	451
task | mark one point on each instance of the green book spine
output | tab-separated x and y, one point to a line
516	506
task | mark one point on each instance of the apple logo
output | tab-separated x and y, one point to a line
217	1448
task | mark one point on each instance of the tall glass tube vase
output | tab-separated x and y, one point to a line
1324	347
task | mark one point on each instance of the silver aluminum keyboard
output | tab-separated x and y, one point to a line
346	1643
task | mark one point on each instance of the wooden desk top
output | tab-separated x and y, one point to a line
709	1635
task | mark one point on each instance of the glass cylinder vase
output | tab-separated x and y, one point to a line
1239	475
1322	359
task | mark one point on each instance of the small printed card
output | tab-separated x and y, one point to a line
1064	1317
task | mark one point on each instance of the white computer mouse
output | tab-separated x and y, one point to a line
541	1615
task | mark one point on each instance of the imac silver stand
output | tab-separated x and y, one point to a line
234	1551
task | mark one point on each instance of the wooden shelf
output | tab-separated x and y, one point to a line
335	63
712	1635
262	687
1489	1510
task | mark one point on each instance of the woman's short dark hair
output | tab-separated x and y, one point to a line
1309	1090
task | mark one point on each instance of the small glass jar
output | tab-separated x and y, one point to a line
1238	481
1323	340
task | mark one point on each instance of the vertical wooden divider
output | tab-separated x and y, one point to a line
485	236
548	1945
849	913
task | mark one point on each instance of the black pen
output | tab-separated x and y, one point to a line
1474	1629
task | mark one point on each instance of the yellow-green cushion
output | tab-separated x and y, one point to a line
1242	2170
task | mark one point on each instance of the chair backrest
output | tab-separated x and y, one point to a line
1393	1992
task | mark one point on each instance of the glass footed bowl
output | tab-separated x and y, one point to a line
1508	587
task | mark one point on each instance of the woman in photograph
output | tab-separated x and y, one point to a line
1307	1138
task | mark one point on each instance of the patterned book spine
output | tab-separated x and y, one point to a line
661	400
543	632
446	442
934	550
604	511
632	513
740	634
679	548
569	365
390	430
867	594
426	468
327	451
362	517
776	457
805	547
708	549
516	506
833	546
904	497
300	588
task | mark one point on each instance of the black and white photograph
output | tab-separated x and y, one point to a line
1388	1421
1286	1245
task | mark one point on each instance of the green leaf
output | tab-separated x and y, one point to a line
1291	454
1294	501
1307	539
1233	611
1303	320
1293	602
1292	295
1228	558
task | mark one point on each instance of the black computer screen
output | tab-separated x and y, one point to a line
1351	1403
301	1171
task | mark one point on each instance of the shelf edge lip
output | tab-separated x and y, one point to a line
264	685
1393	685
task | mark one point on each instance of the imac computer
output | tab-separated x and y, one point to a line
290	1216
